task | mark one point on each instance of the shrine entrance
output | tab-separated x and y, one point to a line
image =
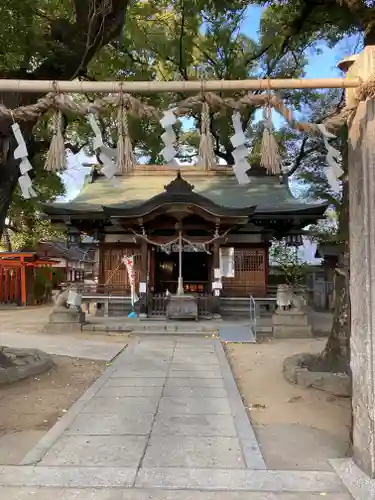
196	267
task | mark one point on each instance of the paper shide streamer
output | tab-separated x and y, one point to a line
20	153
333	170
168	137
241	152
107	156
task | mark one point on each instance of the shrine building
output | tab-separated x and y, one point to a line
224	228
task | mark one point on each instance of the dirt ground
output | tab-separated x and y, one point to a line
29	408
297	428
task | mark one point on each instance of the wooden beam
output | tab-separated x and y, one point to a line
45	86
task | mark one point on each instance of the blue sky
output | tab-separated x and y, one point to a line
320	66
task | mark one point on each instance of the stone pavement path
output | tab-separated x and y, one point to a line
63	346
165	416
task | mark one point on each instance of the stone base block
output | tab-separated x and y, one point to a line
65	321
291	325
182	307
63	327
68	316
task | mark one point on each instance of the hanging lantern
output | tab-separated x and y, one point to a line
74	236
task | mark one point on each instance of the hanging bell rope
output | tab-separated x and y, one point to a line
56	158
125	156
270	156
206	145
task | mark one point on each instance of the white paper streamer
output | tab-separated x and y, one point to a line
241	152
108	156
98	140
333	171
168	137
24	181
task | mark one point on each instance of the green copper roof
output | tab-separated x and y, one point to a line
266	193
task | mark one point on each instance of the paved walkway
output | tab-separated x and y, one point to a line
165	416
63	346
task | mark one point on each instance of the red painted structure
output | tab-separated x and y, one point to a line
17	269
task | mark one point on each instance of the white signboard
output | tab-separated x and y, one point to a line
227	262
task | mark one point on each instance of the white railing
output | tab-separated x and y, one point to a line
253	316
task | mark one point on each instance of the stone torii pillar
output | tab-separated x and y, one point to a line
362	265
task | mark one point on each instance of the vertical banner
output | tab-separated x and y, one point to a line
129	263
227	262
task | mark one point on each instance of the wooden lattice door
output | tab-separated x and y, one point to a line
249	273
114	273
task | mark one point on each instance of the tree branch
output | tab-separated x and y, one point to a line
181	66
301	155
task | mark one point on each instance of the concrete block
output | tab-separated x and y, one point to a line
102	451
66	316
125	373
195	425
192	381
60	493
290	317
291	324
68	477
129	405
195	373
292	332
184	451
195	392
141	494
135	382
115	424
246	480
121	392
194	406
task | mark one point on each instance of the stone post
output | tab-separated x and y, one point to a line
362	267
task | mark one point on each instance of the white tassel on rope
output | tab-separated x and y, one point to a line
56	157
125	156
241	152
168	137
206	145
333	170
20	153
270	156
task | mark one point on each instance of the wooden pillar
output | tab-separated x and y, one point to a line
215	265
23	282
361	163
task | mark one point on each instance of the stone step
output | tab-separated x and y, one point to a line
212	479
159	494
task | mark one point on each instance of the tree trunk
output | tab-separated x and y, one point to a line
75	42
336	353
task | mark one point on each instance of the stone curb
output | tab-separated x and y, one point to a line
36	454
14	373
173	478
337	384
360	486
250	448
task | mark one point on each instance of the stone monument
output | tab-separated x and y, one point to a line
290	319
67	313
